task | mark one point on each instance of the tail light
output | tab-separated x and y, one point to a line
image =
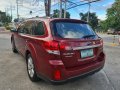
57	75
101	42
52	45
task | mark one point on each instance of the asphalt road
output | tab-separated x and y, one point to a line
13	74
112	40
2	29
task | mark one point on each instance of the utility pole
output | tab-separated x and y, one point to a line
47	4
49	8
46	9
17	9
88	17
60	14
65	9
11	10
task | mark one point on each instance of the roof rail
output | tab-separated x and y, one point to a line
39	17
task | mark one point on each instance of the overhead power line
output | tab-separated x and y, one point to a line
82	4
88	2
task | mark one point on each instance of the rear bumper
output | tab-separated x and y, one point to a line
76	77
71	75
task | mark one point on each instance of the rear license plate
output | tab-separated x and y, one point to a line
87	53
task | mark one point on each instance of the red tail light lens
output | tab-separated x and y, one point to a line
62	47
57	75
52	45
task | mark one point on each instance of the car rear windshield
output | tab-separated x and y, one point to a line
73	30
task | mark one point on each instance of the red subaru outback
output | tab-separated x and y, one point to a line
58	50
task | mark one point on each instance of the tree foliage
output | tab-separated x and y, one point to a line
93	19
113	15
56	13
4	18
103	26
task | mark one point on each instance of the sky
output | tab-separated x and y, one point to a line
25	6
99	8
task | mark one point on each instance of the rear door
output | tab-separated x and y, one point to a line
18	37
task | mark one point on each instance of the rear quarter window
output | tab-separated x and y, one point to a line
39	29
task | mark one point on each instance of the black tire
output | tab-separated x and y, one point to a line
13	46
31	69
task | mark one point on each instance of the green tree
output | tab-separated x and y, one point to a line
103	26
4	18
56	13
113	15
93	19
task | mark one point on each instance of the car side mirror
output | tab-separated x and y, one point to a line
13	30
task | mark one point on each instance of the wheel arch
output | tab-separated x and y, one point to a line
26	54
30	49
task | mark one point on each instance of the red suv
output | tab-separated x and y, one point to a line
58	50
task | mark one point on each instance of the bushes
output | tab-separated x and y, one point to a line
8	28
6	25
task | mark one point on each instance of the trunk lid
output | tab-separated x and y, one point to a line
73	52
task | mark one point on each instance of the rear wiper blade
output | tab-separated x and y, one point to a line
86	36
